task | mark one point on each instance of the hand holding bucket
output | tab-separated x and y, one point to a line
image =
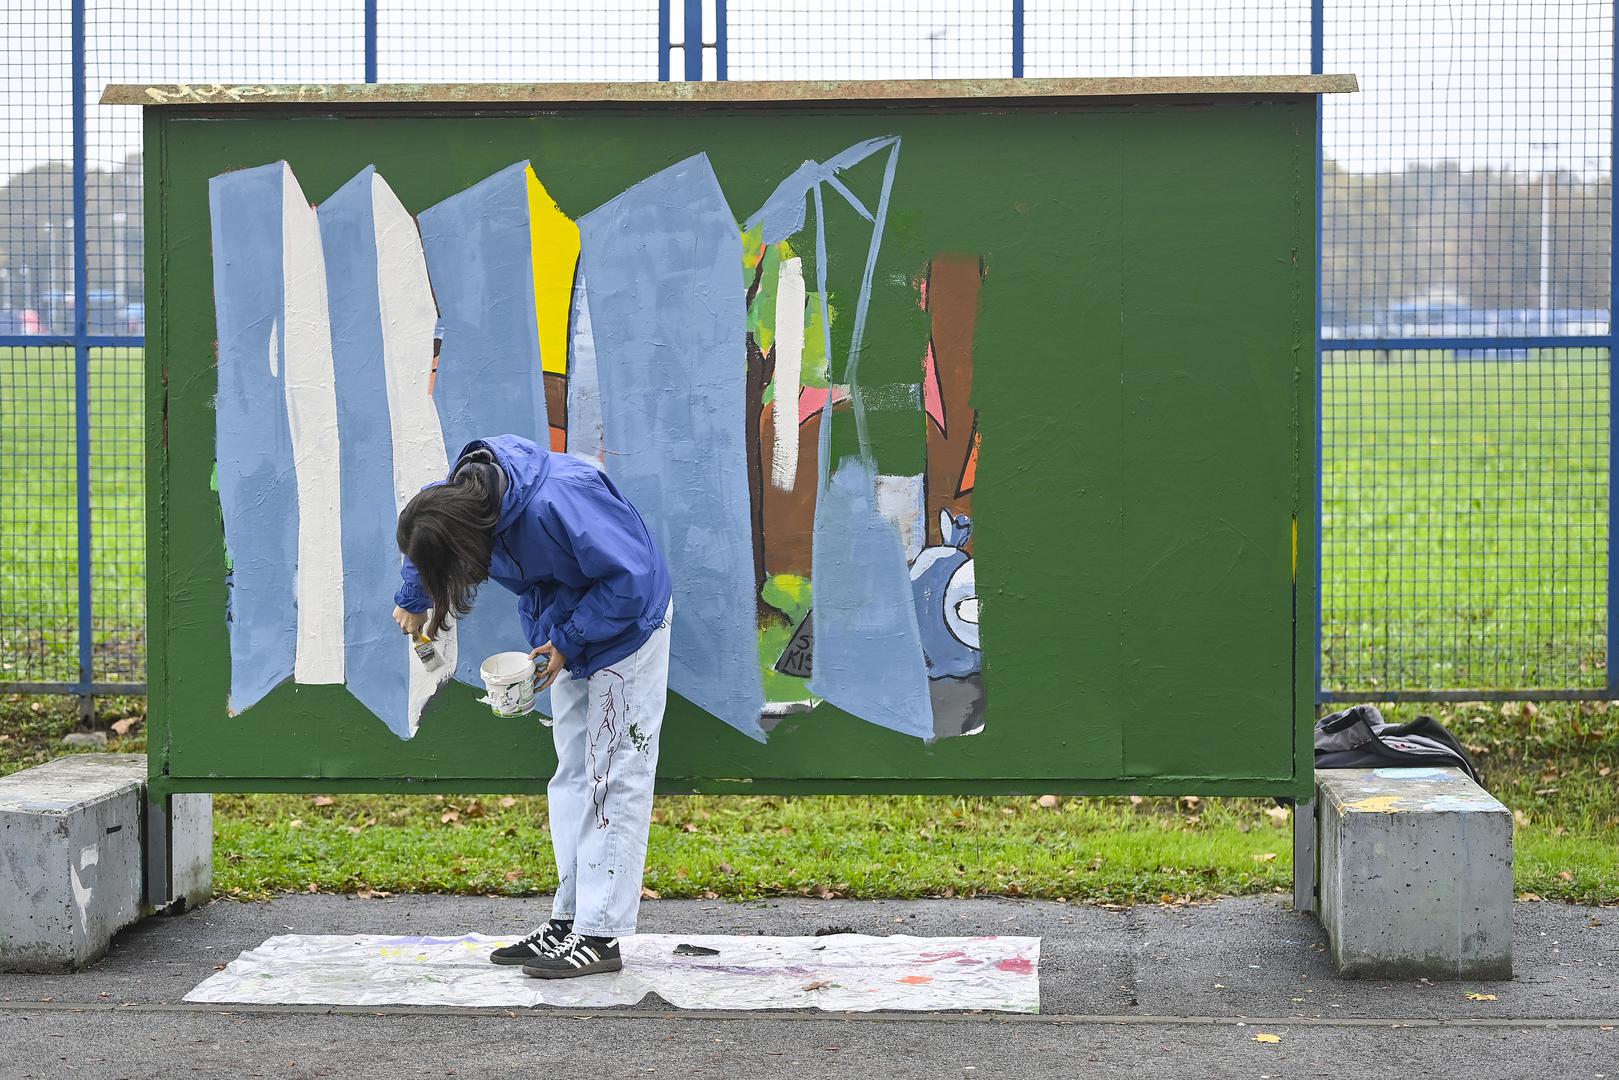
509	679
555	662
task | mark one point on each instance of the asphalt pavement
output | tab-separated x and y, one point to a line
1180	991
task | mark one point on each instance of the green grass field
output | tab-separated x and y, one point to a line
39	591
1464	523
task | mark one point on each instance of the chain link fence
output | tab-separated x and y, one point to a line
1466	257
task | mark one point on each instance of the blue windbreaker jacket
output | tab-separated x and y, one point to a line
587	573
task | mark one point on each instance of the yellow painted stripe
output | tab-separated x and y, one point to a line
1295	549
554	246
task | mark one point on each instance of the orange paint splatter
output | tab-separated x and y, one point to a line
917	980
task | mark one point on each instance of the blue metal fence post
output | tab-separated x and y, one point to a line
693	37
81	368
1612	647
370	41
721	42
663	40
1017	39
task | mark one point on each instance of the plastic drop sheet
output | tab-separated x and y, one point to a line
842	972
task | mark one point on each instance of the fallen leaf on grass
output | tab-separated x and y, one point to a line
1529	897
312	887
1565	875
508	802
1050	802
513	875
295	823
1481	997
1267	1037
649	894
122	726
449	817
1268	856
1278	815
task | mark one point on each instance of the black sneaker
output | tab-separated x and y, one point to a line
578	955
537	944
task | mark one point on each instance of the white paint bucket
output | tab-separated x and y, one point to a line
509	679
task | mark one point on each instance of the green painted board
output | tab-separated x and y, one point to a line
1145	389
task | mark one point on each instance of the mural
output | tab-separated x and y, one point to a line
701	362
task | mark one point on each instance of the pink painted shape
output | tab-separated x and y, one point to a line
930	389
812	399
1017	965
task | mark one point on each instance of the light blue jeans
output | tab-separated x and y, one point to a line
606	732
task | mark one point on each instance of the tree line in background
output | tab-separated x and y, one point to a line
36	249
1432	233
1469	238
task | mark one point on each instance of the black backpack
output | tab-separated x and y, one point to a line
1359	738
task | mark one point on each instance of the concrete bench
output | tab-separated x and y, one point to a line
1415	874
72	843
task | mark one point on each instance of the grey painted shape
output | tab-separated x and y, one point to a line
663	271
70	859
868	650
479	248
1416	874
258	492
958	704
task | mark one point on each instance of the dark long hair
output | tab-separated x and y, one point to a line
448	531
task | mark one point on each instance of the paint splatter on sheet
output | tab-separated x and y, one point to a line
841	972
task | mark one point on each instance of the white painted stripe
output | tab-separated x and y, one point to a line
405	299
789	376
584	388
311	392
901	500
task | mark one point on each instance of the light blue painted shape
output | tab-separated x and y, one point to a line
477	244
783	213
868	651
1412	774
868	646
374	659
663	272
258	491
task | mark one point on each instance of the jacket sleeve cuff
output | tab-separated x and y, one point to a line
412	600
572	643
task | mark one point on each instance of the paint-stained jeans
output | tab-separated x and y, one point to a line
606	733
